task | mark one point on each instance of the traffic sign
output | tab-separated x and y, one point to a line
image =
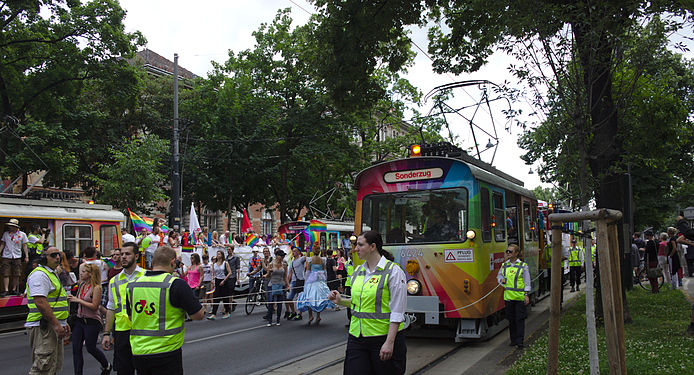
459	256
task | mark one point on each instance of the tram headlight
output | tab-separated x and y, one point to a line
413	287
470	235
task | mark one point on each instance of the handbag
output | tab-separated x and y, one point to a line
655	272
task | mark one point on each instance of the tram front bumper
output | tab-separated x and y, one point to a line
428	305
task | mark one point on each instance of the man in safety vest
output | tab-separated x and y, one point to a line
35	244
576	265
122	354
157	304
514	276
46	322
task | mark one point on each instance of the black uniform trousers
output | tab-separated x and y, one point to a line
516	312
575	276
122	354
363	353
160	364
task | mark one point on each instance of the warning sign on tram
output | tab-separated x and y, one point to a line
459	256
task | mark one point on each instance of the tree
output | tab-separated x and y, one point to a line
51	50
134	179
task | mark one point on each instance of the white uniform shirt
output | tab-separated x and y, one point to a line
154	244
111	305
397	287
38	284
13	244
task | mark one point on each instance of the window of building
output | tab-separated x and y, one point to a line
267	222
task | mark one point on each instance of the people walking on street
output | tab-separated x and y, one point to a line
314	298
514	276
576	265
277	274
157	304
234	276
663	257
207	280
221	271
117	320
651	260
674	264
13	249
195	273
376	343
46	322
88	322
296	285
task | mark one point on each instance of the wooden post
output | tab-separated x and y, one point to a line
555	306
617	293
609	299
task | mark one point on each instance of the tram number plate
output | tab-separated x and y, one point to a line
459	256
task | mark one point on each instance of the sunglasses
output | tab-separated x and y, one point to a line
509	251
54	255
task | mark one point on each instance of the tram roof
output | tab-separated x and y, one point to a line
479	169
42	209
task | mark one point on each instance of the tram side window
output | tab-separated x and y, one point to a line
527	221
417	216
77	237
535	226
499	217
486	220
109	239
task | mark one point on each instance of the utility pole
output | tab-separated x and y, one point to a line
175	172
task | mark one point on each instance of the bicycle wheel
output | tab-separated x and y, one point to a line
250	303
643	280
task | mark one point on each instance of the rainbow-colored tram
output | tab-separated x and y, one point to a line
448	220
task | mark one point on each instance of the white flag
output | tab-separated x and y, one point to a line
194	224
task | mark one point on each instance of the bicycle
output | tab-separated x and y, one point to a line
256	297
642	277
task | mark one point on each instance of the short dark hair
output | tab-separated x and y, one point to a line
89	252
136	249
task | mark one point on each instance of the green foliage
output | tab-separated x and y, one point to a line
54	51
655	341
133	180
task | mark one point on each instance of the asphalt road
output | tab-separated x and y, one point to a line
239	345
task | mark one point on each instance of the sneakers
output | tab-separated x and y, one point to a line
297	317
107	370
268	325
226	316
211	317
278	323
288	315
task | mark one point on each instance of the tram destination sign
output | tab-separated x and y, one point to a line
413	175
459	256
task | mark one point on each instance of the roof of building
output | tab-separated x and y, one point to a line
159	65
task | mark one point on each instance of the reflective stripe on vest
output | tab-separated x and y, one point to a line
57	299
370	299
575	256
514	288
36	246
157	327
350	271
118	286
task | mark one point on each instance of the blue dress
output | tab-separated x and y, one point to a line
315	294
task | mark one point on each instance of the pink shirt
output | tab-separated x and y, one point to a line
661	249
193	277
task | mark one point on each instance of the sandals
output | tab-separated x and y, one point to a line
309	322
318	321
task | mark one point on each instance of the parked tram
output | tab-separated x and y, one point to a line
71	226
335	237
448	219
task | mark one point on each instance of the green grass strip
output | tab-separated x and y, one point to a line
656	342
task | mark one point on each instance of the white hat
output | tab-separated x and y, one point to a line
13	222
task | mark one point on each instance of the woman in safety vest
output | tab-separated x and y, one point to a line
376	344
515	278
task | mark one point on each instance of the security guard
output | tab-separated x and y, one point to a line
378	311
157	304
46	322
35	245
576	258
122	354
515	278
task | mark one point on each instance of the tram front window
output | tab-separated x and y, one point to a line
417	216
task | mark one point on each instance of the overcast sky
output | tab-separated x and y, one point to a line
207	30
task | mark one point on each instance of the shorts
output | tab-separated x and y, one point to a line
11	267
295	287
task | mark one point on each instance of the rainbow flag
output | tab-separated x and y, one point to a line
143	222
314	237
109	262
138	223
317	226
251	239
